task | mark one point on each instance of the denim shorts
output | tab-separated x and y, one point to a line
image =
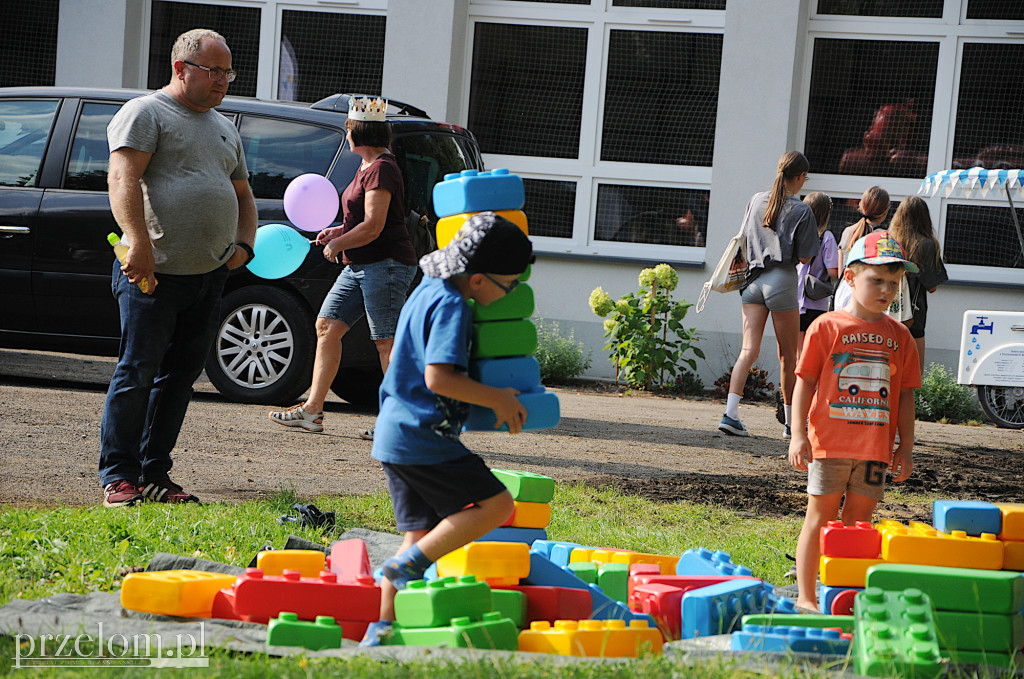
775	288
828	476
377	289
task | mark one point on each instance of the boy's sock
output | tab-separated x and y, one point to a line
409	565
789	413
732	406
375	633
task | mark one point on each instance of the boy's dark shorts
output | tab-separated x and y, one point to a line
828	476
422	495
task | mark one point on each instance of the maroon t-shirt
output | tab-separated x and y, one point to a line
393	241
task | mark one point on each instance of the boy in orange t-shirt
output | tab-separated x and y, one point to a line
855	388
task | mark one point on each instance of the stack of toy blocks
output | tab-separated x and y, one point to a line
1012	535
847	552
896	634
532	495
504	338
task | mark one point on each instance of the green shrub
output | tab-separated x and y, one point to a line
561	357
756	388
689	384
941	398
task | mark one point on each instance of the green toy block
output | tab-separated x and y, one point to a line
979	631
613	579
434	603
493	632
955	589
817	620
1001	660
526	487
287	630
513	306
504	338
895	634
585	571
512	605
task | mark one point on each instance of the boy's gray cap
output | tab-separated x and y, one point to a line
486	243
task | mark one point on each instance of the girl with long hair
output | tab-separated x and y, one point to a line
873	209
826	261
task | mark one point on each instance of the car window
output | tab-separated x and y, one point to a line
278	151
425	160
24	127
90	157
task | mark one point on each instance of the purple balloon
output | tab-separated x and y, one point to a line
311	202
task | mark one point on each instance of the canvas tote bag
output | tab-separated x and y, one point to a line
731	271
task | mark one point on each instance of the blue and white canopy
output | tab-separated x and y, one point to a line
975	181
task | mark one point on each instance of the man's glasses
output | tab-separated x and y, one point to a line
216	73
507	288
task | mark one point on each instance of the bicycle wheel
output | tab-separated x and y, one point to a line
1003	405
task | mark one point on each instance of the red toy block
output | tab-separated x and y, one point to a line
860	541
224	606
683	582
842	604
664	604
349	560
644	569
554	603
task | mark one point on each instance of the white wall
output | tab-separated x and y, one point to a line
99	43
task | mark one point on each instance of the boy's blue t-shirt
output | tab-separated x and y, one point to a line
415	426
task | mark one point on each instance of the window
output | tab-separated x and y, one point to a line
990	108
550	207
995	9
278	151
650	214
671	4
29	48
425	159
982	235
90	155
24	129
883	8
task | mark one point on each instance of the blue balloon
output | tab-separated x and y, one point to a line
280	251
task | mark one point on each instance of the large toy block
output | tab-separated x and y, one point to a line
529	515
591	638
1013	520
683	582
819	620
475	191
980	631
513	306
527	486
288	630
561	553
644	569
613	579
836	571
544	572
780	639
308	562
860	541
777	604
519	372
349	560
896	634
554	603
504	338
541	546
664	604
666	563
973	518
493	632
224	606
1002	660
261	597
597	554
433	604
500	563
585	571
920	543
448	226
705	562
717	609
1013	555
955	589
837	600
528	536
183	593
543	411
512	605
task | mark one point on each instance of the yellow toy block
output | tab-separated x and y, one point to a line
183	593
666	563
607	555
531	515
591	638
839	571
309	562
1013	520
581	555
920	543
496	563
1013	555
447	226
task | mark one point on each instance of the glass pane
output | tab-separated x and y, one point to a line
652	214
662	97
29	48
870	108
425	159
883	8
24	128
984	236
550	207
526	92
90	156
995	9
844	214
240	26
277	151
990	108
671	4
559	2
313	68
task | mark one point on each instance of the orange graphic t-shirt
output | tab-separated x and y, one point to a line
860	367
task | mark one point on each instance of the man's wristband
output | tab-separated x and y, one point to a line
247	249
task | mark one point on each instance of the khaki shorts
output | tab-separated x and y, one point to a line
841	475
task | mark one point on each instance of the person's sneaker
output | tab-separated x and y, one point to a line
780	408
121	493
787	433
376	632
297	416
366	434
732	427
166	491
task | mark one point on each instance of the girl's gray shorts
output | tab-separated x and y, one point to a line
775	288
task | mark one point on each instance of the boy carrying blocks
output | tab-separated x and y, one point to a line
443	495
861	368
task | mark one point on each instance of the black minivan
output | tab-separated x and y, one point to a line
55	215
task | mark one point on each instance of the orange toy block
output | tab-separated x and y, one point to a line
447	226
308	562
837	571
1013	555
591	638
666	563
860	541
529	515
496	563
920	543
183	593
1013	521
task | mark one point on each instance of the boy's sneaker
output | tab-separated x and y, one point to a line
366	434
787	433
168	492
376	632
121	493
732	427
298	416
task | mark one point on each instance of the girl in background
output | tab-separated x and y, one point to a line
826	261
873	209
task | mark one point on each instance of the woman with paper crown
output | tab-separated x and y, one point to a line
379	259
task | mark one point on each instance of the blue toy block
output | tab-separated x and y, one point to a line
973	518
826	595
559	552
518	372
543	547
475	191
542	412
774	603
781	639
529	536
705	562
718	609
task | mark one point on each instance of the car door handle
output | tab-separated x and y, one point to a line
4	228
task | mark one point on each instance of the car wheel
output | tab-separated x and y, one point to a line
1003	405
264	349
358	386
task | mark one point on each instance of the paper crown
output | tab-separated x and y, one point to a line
365	108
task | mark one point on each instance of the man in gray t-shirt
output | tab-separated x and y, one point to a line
179	191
